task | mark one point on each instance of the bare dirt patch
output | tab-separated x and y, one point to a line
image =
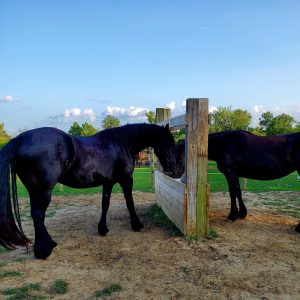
255	258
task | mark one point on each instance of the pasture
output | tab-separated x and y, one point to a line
253	258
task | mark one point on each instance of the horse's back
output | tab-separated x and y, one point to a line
252	156
43	153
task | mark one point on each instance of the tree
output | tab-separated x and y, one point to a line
240	119
75	129
85	129
151	117
226	119
297	127
221	119
88	129
110	122
276	125
266	120
3	133
281	124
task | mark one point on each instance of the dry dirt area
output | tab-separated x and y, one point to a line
255	258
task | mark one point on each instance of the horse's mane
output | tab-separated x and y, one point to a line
122	133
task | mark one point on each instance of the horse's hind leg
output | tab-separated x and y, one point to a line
106	193
242	207
126	184
39	201
231	180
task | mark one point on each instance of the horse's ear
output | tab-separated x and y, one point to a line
167	126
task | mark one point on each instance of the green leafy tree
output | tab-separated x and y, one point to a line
179	134
3	133
221	119
281	124
226	119
110	121
151	117
297	127
75	129
257	130
88	129
240	119
265	121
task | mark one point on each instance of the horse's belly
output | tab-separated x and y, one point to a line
264	173
82	180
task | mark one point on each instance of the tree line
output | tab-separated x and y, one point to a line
223	118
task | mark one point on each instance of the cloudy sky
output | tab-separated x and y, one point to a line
62	61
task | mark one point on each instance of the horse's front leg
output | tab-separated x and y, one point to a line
106	193
126	184
231	180
44	244
242	208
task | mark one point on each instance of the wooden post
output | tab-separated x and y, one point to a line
244	184
60	187
163	114
196	167
152	169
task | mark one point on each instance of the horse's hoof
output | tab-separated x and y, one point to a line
298	227
103	230
43	253
137	226
243	214
232	217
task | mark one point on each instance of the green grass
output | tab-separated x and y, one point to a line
9	274
217	181
3	264
212	235
26	291
60	286
3	250
141	182
158	217
186	270
113	288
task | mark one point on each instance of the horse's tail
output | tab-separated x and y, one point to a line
11	232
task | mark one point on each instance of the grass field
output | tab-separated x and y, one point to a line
142	182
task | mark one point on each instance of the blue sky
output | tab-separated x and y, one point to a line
62	61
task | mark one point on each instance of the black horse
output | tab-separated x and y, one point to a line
44	156
240	153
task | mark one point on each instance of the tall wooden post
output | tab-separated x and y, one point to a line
196	168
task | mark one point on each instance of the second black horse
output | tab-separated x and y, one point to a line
240	153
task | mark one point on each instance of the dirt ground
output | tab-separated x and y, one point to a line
255	258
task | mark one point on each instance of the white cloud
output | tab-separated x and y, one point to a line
212	108
74	113
171	105
130	112
258	109
89	113
8	98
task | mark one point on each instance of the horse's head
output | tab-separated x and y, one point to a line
165	150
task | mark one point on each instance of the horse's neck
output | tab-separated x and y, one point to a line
140	139
212	147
